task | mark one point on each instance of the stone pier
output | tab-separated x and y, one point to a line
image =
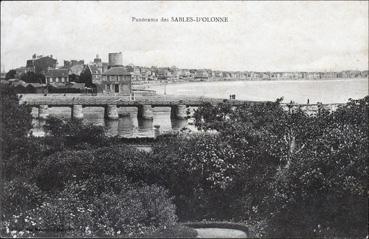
145	112
77	112
43	111
178	112
111	112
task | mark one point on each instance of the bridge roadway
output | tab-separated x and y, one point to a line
144	104
99	101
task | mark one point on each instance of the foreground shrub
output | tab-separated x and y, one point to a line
54	172
19	195
198	169
109	206
323	191
74	133
302	175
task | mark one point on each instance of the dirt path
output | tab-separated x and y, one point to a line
219	233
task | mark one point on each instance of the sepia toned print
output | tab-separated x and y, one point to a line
184	119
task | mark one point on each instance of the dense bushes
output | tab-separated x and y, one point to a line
101	190
20	195
88	193
108	206
287	173
57	169
15	120
65	184
75	133
307	175
323	191
302	175
197	169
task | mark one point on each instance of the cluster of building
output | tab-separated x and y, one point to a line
174	74
105	77
113	77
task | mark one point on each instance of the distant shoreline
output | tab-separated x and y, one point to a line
148	84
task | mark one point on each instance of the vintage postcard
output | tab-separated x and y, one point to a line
195	119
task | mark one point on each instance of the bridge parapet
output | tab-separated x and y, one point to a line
121	101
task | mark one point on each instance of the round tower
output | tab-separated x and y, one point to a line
115	59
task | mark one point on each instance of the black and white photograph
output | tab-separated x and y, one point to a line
184	119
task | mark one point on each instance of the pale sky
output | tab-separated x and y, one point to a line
260	36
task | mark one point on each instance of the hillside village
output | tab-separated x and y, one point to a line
77	75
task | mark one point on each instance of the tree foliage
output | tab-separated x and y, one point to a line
52	188
85	77
32	77
10	74
104	206
74	133
305	174
16	120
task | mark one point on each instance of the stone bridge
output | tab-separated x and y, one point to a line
111	103
144	104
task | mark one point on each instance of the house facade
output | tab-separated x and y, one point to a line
57	76
116	80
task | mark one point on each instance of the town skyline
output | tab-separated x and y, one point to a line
275	37
76	61
40	68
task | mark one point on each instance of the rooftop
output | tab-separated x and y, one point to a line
94	69
116	71
57	73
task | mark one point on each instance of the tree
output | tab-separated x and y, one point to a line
86	77
324	190
197	169
75	133
305	174
10	75
31	77
73	78
16	120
